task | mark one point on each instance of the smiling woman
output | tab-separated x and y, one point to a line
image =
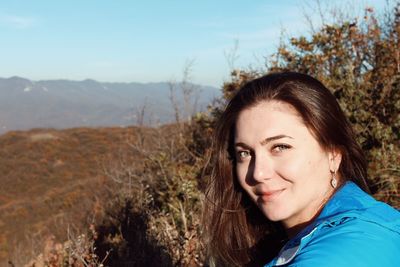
289	183
286	174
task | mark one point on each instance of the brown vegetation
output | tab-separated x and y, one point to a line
51	180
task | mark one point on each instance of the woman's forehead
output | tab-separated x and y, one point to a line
270	118
263	109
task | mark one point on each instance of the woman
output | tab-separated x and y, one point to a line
288	186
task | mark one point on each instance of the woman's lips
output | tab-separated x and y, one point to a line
270	195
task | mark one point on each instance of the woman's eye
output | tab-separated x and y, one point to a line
243	154
280	148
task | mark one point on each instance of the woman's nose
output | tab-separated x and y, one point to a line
262	169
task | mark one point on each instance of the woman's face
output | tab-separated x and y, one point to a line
280	164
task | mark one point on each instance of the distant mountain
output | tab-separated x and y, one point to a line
26	104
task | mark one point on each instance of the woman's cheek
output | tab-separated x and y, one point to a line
290	168
239	172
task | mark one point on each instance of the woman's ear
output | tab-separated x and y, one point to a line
335	158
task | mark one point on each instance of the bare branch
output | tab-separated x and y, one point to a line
140	113
187	90
232	56
174	101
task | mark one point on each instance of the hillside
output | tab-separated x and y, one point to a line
52	180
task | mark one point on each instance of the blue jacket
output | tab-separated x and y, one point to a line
353	229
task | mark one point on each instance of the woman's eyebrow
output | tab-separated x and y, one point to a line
272	138
242	145
265	141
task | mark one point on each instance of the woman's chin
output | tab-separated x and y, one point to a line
274	215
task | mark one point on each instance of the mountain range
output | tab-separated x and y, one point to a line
26	104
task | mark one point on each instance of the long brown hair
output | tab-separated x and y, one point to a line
234	228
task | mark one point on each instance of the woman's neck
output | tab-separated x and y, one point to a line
293	228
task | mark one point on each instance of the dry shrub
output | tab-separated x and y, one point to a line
77	251
155	219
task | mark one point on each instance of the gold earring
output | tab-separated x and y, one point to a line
334	180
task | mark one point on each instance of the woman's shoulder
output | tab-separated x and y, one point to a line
372	211
363	237
354	230
351	202
354	241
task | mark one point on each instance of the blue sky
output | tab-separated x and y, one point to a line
145	41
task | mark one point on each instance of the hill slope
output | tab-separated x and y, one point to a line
52	180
